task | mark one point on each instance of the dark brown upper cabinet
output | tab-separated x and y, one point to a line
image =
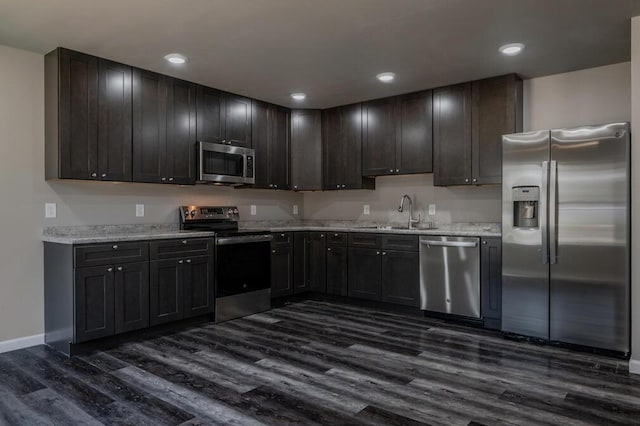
164	129
223	117
397	135
271	141
468	123
88	117
306	149
342	149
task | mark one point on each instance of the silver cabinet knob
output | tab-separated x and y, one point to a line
378	253
103	175
273	251
180	261
94	175
484	242
109	269
282	235
338	186
397	170
224	141
466	180
390	170
295	186
335	235
163	179
115	247
170	179
328	248
344	186
321	235
275	186
270	185
184	241
188	260
384	253
119	268
475	180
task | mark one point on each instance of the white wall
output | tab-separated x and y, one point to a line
24	192
634	364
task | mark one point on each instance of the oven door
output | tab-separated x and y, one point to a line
225	164
243	264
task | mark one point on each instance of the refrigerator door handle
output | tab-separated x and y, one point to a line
553	212
544	197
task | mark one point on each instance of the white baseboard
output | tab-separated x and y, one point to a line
634	366
21	342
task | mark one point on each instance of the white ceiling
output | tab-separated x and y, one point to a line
329	49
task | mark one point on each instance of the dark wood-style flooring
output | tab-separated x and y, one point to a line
319	363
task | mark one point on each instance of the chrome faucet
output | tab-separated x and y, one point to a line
401	209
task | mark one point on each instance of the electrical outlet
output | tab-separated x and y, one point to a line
50	210
432	209
295	209
253	210
366	209
139	210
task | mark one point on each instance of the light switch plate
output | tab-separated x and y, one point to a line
253	209
432	209
366	209
295	209
50	210
139	210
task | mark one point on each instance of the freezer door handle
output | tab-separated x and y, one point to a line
544	197
429	243
553	212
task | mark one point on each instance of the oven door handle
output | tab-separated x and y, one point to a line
223	241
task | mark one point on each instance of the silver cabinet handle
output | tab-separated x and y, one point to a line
94	175
188	260
119	268
184	241
103	175
115	247
449	243
109	269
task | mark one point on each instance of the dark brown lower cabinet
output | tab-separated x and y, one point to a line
166	301
317	262
199	298
491	282
365	267
281	267
301	273
336	271
94	299
401	277
131	297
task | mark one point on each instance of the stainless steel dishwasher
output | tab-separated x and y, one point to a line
450	275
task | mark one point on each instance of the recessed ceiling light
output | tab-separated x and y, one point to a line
176	58
299	96
511	49
386	77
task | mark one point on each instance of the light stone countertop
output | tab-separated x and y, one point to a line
121	233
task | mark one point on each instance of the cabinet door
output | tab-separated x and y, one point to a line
352	149
260	136
414	146
77	116
181	133
331	149
306	150
210	115
279	144
281	268
114	121
317	262
94	303
337	270
199	296
379	137
496	111
401	277
166	290
301	273
365	268
150	93
491	282
452	135
131	297
238	120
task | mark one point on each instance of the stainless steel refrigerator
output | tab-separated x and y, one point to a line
566	235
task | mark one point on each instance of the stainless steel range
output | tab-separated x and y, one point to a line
242	260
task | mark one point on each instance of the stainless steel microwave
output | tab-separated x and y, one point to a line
225	164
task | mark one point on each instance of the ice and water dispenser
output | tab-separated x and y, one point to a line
526	205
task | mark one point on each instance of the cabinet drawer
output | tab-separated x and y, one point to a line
282	238
171	249
400	242
365	240
337	239
108	254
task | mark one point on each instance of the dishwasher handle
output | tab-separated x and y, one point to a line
429	243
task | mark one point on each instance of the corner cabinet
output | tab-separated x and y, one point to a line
397	135
88	120
342	149
469	120
271	142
